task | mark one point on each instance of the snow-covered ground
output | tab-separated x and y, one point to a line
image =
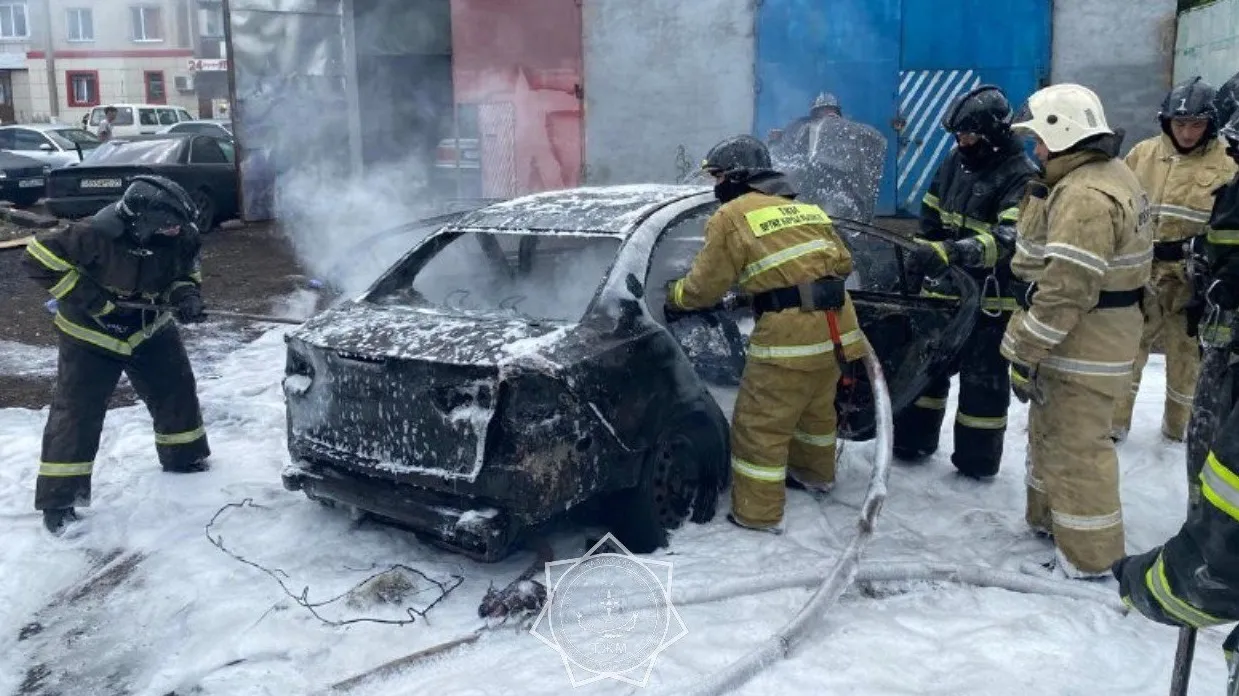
178	615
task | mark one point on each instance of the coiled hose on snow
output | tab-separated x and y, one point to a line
832	583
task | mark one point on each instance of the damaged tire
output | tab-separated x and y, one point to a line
677	479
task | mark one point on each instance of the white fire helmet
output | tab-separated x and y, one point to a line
1062	115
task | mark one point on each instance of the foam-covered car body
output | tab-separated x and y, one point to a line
515	365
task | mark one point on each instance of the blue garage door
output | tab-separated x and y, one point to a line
896	65
849	48
949	48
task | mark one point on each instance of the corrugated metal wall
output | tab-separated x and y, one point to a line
1208	43
664	81
1123	50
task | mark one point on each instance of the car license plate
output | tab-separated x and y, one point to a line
101	183
29	183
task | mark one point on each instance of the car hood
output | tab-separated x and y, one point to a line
405	333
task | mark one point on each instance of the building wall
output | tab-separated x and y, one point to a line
1121	49
121	80
113	52
662	86
1208	43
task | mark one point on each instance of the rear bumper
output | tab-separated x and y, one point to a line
485	534
79	206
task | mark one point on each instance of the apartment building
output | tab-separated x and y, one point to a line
60	58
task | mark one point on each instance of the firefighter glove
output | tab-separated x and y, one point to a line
1024	383
1193	313
930	259
189	307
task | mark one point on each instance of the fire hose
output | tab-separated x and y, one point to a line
832	583
212	313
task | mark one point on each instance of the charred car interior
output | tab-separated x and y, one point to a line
510	371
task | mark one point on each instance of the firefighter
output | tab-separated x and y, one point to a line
799	136
1082	258
968	217
1179	169
141	249
787	257
1193	579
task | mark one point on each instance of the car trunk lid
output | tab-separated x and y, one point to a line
92	181
404	394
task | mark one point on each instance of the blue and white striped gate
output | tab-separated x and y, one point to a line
925	96
896	65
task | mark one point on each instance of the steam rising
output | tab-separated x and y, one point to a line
334	223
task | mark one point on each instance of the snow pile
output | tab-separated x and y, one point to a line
143	603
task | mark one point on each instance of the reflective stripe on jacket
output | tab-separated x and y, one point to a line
1180	187
764	242
87	270
1083	230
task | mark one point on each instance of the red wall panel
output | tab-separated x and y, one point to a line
521	64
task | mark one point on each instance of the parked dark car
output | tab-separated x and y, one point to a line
22	179
201	163
220	128
513	367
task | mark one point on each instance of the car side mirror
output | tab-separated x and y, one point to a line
634	286
47	147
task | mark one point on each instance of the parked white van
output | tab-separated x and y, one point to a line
138	119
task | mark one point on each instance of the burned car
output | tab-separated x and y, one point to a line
514	368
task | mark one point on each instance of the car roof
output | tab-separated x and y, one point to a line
602	210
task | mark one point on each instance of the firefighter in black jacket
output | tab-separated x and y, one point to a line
141	249
1193	579
968	218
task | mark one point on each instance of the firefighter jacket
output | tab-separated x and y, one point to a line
93	264
1222	252
1180	187
1084	236
765	242
981	204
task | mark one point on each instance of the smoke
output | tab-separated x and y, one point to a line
334	223
423	74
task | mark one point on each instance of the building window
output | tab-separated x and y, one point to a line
211	21
155	92
81	23
83	87
13	20
147	23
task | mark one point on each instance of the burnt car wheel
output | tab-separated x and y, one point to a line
670	477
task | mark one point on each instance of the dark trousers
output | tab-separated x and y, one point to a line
980	421
160	373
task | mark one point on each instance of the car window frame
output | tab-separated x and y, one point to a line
197	138
32	134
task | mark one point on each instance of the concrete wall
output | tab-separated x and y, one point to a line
1121	49
664	81
1208	43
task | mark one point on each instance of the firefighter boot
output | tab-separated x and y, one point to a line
190	468
56	519
776	528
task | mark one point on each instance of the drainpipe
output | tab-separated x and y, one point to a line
53	90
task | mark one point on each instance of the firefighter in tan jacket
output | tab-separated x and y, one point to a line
787	257
1084	250
1180	170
